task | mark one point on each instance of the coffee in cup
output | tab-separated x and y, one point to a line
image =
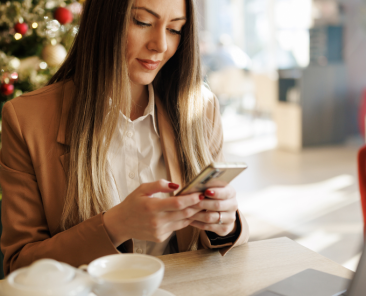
126	274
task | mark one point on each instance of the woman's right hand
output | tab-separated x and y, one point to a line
144	217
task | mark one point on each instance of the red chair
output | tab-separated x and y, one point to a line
362	182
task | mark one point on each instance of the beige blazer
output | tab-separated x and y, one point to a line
33	180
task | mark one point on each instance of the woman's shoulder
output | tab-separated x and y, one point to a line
46	93
211	103
37	108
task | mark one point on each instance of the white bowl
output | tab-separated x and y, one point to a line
144	285
46	277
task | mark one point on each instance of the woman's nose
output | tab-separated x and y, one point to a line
158	41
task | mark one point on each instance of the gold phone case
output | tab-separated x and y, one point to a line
217	174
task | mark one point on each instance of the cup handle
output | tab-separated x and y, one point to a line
96	282
83	267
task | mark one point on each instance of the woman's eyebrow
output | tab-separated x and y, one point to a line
158	16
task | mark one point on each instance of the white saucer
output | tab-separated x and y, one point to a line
161	292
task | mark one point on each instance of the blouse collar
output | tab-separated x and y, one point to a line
149	110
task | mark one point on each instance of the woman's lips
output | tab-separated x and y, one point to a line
149	64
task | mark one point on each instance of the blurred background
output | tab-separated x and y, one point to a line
290	78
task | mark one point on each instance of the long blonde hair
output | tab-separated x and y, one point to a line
97	65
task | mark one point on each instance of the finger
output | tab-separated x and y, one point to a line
177	203
158	186
227	192
177	225
213	205
184	214
214	217
166	229
222	230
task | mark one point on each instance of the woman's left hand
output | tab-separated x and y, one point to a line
220	200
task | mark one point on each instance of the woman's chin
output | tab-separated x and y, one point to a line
142	79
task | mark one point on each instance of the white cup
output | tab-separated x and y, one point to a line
145	274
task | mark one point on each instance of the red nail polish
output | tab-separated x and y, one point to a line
173	186
201	197
210	192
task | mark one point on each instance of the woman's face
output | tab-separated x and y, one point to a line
153	37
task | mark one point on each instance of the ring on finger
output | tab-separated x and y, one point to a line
220	218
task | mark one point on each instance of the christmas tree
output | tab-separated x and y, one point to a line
35	36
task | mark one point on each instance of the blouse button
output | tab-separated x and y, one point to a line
130	134
131	175
139	251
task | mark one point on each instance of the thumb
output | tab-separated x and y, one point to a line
158	186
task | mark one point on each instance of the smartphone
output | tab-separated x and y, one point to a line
214	175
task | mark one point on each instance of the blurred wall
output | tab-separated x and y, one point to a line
201	14
355	56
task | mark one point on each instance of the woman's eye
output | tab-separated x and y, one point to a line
175	32
140	24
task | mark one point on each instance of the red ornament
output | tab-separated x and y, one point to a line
13	77
7	89
21	28
63	15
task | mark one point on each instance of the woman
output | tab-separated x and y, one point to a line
85	160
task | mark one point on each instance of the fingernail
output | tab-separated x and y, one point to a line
210	192
173	186
201	197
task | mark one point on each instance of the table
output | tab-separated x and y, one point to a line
244	270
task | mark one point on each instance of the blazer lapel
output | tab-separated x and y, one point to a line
169	147
64	159
68	92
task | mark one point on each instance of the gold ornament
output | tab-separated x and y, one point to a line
29	63
54	55
17	36
14	63
43	65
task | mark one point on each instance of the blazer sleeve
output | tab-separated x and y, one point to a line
216	141
26	236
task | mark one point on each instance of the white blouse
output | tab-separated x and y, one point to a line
137	159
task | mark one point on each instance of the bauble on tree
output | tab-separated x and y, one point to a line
63	15
54	55
21	28
6	89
